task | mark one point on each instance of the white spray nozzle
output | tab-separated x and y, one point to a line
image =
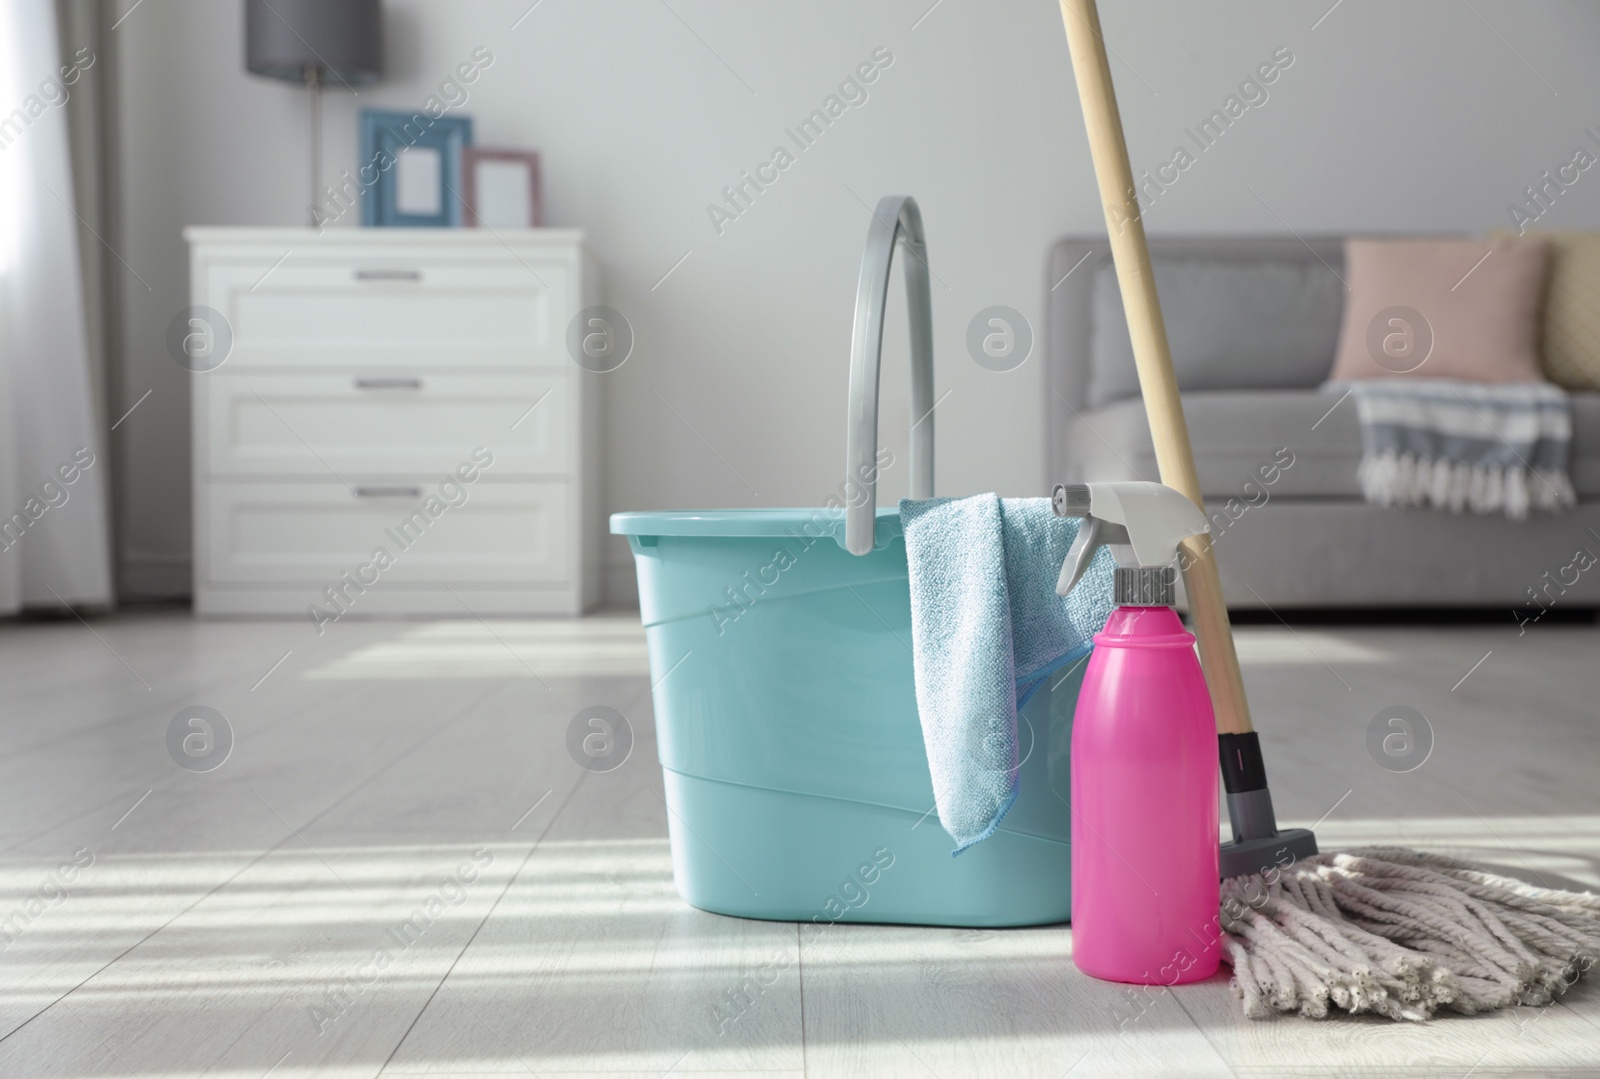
1149	518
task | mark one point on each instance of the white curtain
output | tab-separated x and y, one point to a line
54	475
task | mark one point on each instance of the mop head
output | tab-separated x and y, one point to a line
1401	933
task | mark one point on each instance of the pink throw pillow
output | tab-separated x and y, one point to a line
1442	309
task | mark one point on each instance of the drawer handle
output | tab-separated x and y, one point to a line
388	275
388	383
398	491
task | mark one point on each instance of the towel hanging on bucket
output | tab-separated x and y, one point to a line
987	630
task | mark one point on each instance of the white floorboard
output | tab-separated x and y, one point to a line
224	910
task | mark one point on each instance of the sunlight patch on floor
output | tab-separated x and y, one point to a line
1275	646
604	646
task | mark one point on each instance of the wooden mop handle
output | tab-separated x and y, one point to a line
1151	354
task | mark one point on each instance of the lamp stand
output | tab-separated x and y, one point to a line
314	96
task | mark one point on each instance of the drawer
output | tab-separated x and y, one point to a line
307	535
387	422
377	311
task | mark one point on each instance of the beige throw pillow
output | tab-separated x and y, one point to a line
1464	309
1572	310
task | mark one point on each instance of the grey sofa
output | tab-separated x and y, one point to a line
1253	323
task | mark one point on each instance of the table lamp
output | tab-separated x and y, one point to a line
314	42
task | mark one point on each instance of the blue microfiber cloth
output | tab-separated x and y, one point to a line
987	629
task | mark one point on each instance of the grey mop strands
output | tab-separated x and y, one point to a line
1402	933
1383	930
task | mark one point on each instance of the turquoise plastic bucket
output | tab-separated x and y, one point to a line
797	784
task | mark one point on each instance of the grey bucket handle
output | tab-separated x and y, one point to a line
896	219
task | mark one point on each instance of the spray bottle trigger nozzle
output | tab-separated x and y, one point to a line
1093	533
1079	555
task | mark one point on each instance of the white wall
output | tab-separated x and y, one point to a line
1416	116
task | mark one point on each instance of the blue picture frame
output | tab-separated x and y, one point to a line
385	135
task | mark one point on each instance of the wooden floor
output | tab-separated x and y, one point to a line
242	921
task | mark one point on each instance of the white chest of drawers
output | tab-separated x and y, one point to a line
397	428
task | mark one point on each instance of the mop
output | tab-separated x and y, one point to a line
1383	930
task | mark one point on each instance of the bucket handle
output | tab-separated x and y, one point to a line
896	219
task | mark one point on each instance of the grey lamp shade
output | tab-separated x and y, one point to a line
340	39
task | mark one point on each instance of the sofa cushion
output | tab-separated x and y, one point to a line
1285	442
1235	433
1233	324
1571	333
1442	309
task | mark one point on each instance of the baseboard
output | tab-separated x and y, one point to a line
145	577
462	601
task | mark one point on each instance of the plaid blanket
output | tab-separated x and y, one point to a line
1457	445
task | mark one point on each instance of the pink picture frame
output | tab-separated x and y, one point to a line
501	188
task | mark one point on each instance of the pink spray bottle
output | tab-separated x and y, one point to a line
1145	889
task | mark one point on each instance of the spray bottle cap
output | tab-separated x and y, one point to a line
1142	522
